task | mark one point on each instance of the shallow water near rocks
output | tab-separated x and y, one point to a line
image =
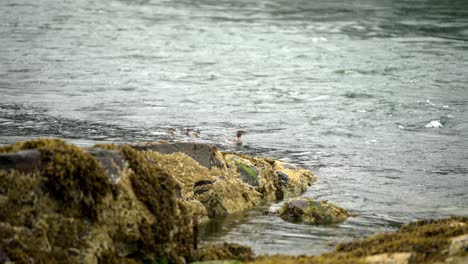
370	95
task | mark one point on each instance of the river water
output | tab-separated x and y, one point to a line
370	95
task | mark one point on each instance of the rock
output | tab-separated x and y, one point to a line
392	258
458	245
283	178
248	172
292	180
309	211
112	161
204	154
24	160
60	203
71	212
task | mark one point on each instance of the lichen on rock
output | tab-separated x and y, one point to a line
309	211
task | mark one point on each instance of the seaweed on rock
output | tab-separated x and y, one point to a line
308	211
170	235
72	175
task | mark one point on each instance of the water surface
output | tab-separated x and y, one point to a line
370	95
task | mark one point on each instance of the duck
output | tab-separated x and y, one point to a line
237	142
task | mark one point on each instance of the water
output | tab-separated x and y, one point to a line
371	95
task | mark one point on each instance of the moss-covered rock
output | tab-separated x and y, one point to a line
273	179
426	241
309	211
224	251
68	209
68	173
60	203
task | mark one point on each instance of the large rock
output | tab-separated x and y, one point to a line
126	204
70	211
309	211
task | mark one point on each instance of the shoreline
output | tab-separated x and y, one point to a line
134	203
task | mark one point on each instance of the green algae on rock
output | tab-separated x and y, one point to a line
308	211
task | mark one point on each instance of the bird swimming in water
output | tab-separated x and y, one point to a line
238	138
237	142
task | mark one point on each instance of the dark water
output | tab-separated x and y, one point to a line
371	95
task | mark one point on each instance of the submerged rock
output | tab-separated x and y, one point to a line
309	211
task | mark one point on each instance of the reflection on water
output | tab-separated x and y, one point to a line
371	95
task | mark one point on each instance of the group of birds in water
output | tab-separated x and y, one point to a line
195	133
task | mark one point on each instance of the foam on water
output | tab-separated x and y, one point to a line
434	124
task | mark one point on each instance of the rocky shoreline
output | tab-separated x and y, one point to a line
143	203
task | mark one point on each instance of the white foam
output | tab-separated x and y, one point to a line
434	124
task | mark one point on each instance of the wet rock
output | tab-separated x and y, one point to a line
309	211
248	172
112	161
283	178
204	154
24	160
